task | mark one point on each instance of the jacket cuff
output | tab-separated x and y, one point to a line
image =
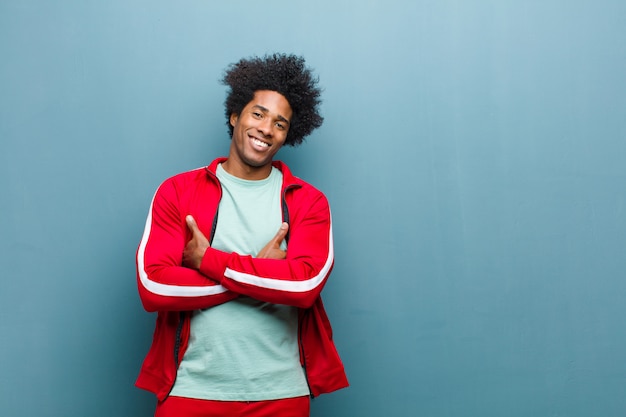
214	263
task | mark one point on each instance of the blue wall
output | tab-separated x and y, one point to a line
474	154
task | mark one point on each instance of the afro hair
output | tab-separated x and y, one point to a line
284	74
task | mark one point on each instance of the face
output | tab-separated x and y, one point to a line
258	133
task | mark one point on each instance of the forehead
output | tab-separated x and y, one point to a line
272	102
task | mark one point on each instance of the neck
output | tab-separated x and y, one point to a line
247	172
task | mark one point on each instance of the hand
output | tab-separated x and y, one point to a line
196	247
272	250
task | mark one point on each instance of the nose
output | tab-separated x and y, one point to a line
265	127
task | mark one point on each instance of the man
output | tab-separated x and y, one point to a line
234	257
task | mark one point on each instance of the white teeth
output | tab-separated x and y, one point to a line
260	143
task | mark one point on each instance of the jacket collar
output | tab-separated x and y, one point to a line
288	178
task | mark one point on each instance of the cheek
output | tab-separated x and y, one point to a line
283	137
279	145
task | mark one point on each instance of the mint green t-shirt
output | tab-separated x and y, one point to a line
245	349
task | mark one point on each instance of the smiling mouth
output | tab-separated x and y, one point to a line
260	143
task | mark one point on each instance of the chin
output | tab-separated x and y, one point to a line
256	163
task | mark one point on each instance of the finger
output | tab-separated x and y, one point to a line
191	224
282	232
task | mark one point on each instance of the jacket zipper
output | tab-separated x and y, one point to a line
179	330
306	375
285	210
183	314
285	213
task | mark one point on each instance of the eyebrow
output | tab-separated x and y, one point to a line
278	116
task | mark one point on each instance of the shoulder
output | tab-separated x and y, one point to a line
309	190
298	191
292	181
185	185
192	176
185	178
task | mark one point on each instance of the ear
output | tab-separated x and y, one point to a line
233	119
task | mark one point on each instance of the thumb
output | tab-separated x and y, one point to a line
191	224
282	232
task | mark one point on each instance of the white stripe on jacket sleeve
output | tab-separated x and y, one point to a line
167	289
283	285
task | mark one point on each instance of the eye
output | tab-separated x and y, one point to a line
257	114
280	125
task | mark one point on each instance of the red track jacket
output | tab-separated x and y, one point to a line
173	290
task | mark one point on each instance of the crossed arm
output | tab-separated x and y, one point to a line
179	270
209	292
197	246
